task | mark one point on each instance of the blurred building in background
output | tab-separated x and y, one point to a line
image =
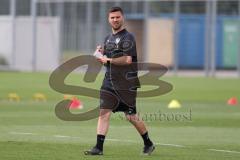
192	34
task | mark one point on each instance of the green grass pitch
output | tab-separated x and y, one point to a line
207	129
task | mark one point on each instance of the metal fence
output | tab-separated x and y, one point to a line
84	24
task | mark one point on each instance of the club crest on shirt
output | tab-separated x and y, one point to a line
126	45
117	40
110	47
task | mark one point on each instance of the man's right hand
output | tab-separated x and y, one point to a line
99	49
98	52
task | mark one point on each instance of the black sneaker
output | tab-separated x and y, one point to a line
94	151
147	150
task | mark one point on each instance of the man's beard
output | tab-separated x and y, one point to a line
117	28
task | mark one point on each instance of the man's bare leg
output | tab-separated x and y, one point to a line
141	128
103	121
137	123
102	129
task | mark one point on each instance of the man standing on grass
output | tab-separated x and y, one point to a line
119	87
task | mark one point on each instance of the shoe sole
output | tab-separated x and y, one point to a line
92	154
149	153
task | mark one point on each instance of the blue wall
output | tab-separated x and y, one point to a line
191	49
191	42
191	39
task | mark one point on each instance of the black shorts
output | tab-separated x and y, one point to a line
118	100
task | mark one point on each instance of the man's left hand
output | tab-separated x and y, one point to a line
104	59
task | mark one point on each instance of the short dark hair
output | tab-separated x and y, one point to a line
115	9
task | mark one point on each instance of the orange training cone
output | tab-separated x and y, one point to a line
76	104
67	96
232	101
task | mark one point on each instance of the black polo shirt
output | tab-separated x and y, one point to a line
121	77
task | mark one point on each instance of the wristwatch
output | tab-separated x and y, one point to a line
108	62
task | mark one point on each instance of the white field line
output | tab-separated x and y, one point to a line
108	139
161	144
118	140
28	133
129	141
21	133
173	145
226	151
61	136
